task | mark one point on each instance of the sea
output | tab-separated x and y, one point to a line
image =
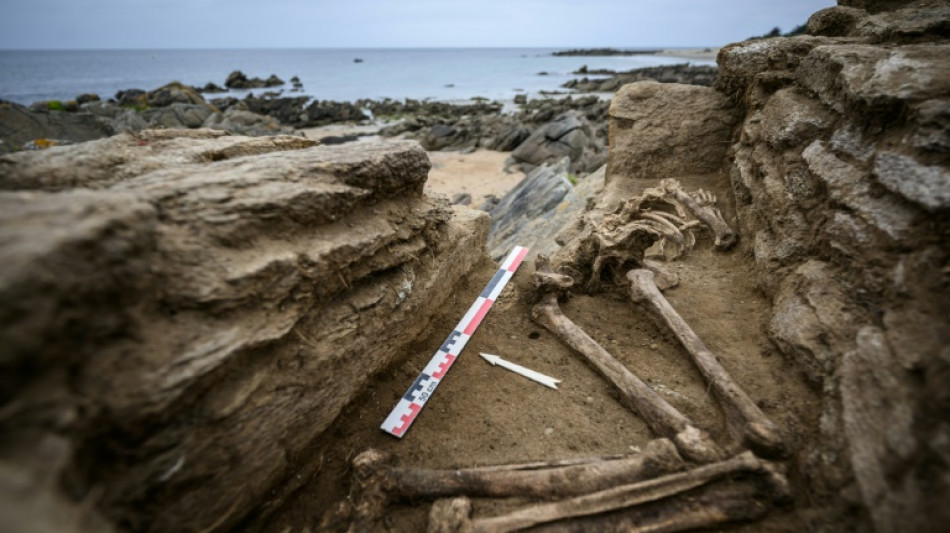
444	74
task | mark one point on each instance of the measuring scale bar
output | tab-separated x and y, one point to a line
421	390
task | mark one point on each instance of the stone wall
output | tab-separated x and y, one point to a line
839	159
183	313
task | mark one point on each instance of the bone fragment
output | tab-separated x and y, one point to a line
694	443
746	421
674	502
703	206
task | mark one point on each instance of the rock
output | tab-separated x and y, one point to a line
131	98
462	198
289	111
128	121
212	87
238	80
173	93
666	130
684	73
853	187
926	185
878	421
569	135
874	77
241	122
838	21
177	116
521	99
790	118
510	138
86	98
205	277
439	137
536	210
327	112
338	139
932	118
19	126
813	319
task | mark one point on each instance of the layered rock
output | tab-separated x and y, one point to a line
570	135
537	210
836	146
185	312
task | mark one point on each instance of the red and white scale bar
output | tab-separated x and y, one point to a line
421	391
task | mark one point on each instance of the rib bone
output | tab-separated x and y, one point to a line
660	495
703	206
378	483
746	421
662	417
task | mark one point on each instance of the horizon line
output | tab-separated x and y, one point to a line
216	48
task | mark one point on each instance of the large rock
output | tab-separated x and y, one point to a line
174	93
536	210
568	135
665	130
19	126
242	122
193	309
239	80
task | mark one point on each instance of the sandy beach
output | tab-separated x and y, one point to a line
480	173
705	54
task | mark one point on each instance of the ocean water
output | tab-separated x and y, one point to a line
327	74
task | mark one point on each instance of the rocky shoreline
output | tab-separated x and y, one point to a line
536	131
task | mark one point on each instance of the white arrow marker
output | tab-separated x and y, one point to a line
547	381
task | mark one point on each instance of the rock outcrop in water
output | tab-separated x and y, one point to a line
184	312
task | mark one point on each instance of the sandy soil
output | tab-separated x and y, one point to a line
708	54
484	415
479	174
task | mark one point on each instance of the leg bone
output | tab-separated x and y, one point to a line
533	480
658	494
745	419
662	417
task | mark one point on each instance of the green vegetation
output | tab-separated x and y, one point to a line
55	105
572	178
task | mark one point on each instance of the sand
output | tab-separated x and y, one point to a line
479	174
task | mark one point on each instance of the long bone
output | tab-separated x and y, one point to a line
703	206
674	502
377	483
694	443
746	421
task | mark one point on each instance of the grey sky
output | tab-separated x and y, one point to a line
385	23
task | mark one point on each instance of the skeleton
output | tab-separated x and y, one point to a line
734	489
619	493
746	421
657	222
662	417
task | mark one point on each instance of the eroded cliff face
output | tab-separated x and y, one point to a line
836	145
183	313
